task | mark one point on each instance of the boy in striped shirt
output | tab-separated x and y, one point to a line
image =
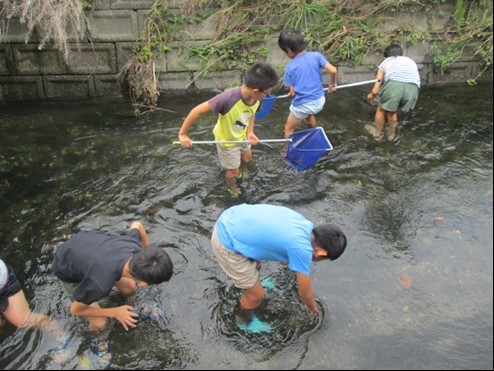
398	88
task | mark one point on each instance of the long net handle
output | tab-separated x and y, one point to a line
341	86
313	150
233	141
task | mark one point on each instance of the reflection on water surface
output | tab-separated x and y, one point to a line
414	290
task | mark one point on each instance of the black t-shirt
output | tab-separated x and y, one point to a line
95	261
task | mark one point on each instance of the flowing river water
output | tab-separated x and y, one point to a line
414	290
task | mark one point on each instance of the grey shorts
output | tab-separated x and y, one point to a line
230	157
243	271
397	95
304	110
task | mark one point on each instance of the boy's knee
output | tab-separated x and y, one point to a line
246	158
97	324
232	173
260	296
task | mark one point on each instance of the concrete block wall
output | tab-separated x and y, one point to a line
30	73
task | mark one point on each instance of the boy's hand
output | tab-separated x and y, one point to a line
124	315
314	311
252	139
370	97
291	93
184	140
331	88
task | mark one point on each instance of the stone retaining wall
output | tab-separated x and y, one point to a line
28	73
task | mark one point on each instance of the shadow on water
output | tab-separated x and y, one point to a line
412	291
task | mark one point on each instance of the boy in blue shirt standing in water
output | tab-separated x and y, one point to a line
303	77
245	234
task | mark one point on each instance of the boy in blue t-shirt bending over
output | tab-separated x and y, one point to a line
246	234
303	77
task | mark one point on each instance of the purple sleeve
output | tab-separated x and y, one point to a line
223	102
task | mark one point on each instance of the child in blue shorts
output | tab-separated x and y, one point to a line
303	77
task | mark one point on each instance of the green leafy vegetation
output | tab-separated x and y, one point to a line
346	31
472	30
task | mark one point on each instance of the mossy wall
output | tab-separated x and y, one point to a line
114	26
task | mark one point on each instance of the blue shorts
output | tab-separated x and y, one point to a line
304	110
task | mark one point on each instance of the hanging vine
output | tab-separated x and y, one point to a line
58	19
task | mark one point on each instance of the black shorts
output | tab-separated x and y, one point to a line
12	287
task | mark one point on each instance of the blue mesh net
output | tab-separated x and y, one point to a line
306	147
266	105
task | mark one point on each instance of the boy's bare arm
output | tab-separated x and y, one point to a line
191	118
142	232
377	85
123	313
251	137
333	76
306	292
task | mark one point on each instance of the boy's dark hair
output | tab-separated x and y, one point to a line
331	238
261	76
393	50
292	39
151	265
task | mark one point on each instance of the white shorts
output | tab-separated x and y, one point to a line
231	157
304	110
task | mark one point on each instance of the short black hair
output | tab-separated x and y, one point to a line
331	238
292	39
151	265
393	50
261	75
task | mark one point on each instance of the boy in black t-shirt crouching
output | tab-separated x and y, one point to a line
90	264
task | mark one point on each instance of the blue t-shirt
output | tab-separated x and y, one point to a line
268	232
304	74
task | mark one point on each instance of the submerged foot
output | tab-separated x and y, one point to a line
100	355
254	325
376	135
267	284
234	190
390	133
64	349
244	173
